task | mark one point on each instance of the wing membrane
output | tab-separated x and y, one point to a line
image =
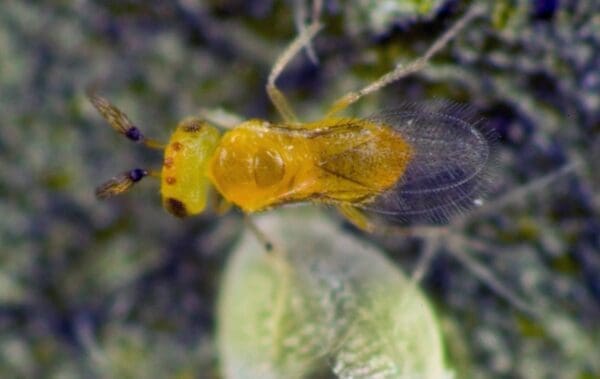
450	169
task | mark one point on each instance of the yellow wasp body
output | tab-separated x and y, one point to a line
413	163
333	161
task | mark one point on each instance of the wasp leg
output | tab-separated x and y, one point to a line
220	117
401	70
300	14
277	97
260	236
356	217
223	206
218	203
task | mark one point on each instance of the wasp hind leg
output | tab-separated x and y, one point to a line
357	217
301	41
259	234
401	70
221	118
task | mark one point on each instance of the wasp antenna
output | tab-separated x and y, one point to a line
153	144
121	183
115	117
119	121
155	173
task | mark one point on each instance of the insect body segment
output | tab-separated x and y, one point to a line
257	165
184	184
254	167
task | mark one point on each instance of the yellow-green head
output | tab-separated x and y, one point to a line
184	183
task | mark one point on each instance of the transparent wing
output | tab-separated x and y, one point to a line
450	167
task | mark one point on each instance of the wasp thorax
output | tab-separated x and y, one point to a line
269	167
251	166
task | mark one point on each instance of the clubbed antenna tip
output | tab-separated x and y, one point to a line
120	183
115	117
119	121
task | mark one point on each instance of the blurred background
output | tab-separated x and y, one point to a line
119	289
